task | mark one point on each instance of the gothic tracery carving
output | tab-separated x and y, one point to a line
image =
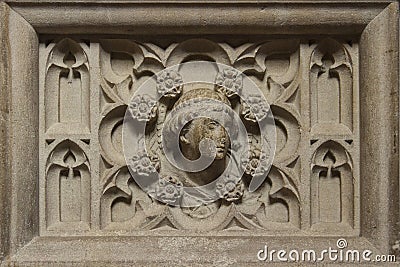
305	155
331	86
332	187
231	191
67	80
68	187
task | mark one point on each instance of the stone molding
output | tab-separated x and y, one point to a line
373	23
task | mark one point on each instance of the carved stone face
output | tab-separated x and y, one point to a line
200	133
204	132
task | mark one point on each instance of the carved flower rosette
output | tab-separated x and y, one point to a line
169	190
143	108
144	165
169	84
229	82
254	109
230	188
255	163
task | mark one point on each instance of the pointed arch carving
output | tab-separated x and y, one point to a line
67	96
68	188
331	88
332	187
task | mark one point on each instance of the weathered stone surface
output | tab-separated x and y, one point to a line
89	122
4	137
23	132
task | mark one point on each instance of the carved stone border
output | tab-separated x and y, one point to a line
375	22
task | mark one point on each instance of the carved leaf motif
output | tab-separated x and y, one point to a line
250	203
280	181
265	62
119	179
124	88
275	90
196	49
151	51
125	65
246	222
234	52
288	133
138	206
247	62
110	135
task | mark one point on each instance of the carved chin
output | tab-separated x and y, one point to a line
220	153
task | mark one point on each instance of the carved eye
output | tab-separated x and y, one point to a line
212	125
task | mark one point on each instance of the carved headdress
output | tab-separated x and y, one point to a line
211	103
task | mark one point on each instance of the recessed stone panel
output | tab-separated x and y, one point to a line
312	187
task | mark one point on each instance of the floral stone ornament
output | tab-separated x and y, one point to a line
230	188
169	84
169	190
254	109
255	162
144	165
143	108
229	82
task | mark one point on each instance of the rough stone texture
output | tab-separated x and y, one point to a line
4	119
66	194
23	132
378	35
169	251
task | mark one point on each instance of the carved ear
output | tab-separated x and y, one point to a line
183	137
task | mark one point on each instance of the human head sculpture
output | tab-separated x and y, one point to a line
206	131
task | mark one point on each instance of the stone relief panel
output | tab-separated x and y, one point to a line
310	87
238	210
